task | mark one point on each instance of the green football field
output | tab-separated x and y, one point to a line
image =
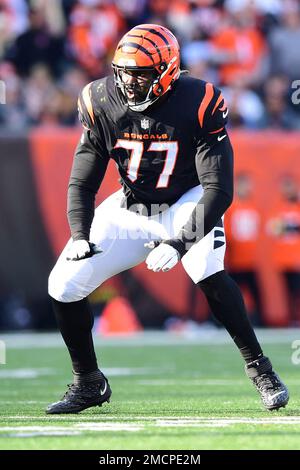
169	392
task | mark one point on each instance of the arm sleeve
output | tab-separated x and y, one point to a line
88	170
214	164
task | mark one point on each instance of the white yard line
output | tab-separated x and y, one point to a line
42	434
75	428
108	421
221	422
23	402
101	418
128	371
33	373
140	424
35	428
203	382
25	373
117	426
194	382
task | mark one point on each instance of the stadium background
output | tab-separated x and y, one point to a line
49	50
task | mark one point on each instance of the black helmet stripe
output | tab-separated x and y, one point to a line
153	31
138	46
150	40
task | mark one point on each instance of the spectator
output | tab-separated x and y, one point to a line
243	227
277	112
246	107
283	226
13	21
13	115
196	57
285	57
37	88
36	45
93	33
60	108
74	79
241	48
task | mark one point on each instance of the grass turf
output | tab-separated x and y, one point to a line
165	396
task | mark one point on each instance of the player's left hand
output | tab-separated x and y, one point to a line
164	257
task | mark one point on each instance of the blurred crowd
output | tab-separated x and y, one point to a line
49	49
279	225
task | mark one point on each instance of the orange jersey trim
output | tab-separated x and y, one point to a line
88	102
79	105
223	107
209	93
218	130
217	103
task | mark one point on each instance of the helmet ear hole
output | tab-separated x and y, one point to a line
158	89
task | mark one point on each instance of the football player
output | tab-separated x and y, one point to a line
166	133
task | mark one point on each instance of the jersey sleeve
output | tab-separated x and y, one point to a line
89	166
212	111
85	108
88	170
214	164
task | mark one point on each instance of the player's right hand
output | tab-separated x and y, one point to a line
81	249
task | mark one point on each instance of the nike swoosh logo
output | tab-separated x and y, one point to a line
221	137
225	113
277	394
104	390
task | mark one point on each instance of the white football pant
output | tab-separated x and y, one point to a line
121	235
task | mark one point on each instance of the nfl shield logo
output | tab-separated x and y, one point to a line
145	124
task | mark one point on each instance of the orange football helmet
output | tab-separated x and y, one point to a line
146	63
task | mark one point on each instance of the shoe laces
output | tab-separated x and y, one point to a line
80	391
268	381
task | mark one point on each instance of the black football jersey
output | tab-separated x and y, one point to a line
155	149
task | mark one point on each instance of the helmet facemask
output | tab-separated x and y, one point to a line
136	85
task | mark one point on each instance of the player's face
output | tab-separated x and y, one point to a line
137	84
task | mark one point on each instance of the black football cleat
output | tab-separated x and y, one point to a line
274	394
80	396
